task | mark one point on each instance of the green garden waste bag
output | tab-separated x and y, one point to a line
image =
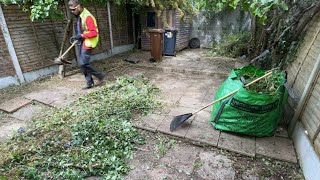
248	111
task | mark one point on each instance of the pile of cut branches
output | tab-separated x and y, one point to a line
93	137
269	85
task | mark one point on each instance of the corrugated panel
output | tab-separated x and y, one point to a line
6	66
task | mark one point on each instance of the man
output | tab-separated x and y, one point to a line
87	35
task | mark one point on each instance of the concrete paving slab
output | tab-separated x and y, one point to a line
44	96
215	166
190	101
238	143
149	122
14	104
181	131
203	132
203	117
209	97
160	172
197	86
281	132
182	158
30	111
171	97
276	147
172	85
7	129
179	110
54	96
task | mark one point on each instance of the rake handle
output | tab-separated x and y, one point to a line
266	75
74	43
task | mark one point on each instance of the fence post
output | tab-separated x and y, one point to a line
10	47
110	26
305	95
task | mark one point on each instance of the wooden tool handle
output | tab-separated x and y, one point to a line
266	75
74	43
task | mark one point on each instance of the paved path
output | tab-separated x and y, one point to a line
188	82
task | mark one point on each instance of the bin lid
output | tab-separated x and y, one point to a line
156	30
171	29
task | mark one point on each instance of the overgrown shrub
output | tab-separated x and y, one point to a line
232	45
93	137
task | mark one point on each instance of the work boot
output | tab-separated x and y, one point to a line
88	86
101	80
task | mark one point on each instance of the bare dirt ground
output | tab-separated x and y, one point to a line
164	157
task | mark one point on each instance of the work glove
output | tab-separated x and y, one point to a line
78	37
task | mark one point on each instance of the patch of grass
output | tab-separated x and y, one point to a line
197	164
232	45
163	145
93	137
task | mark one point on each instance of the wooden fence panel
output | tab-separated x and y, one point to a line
120	26
299	74
36	43
300	69
6	66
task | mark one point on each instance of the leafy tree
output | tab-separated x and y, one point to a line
277	25
41	9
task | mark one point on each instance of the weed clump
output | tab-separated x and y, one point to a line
232	45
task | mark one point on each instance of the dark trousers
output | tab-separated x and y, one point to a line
86	68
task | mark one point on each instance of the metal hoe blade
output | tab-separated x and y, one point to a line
178	120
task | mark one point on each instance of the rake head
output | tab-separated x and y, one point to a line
179	120
60	61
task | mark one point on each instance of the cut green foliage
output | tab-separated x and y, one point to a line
94	137
269	85
232	45
163	145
